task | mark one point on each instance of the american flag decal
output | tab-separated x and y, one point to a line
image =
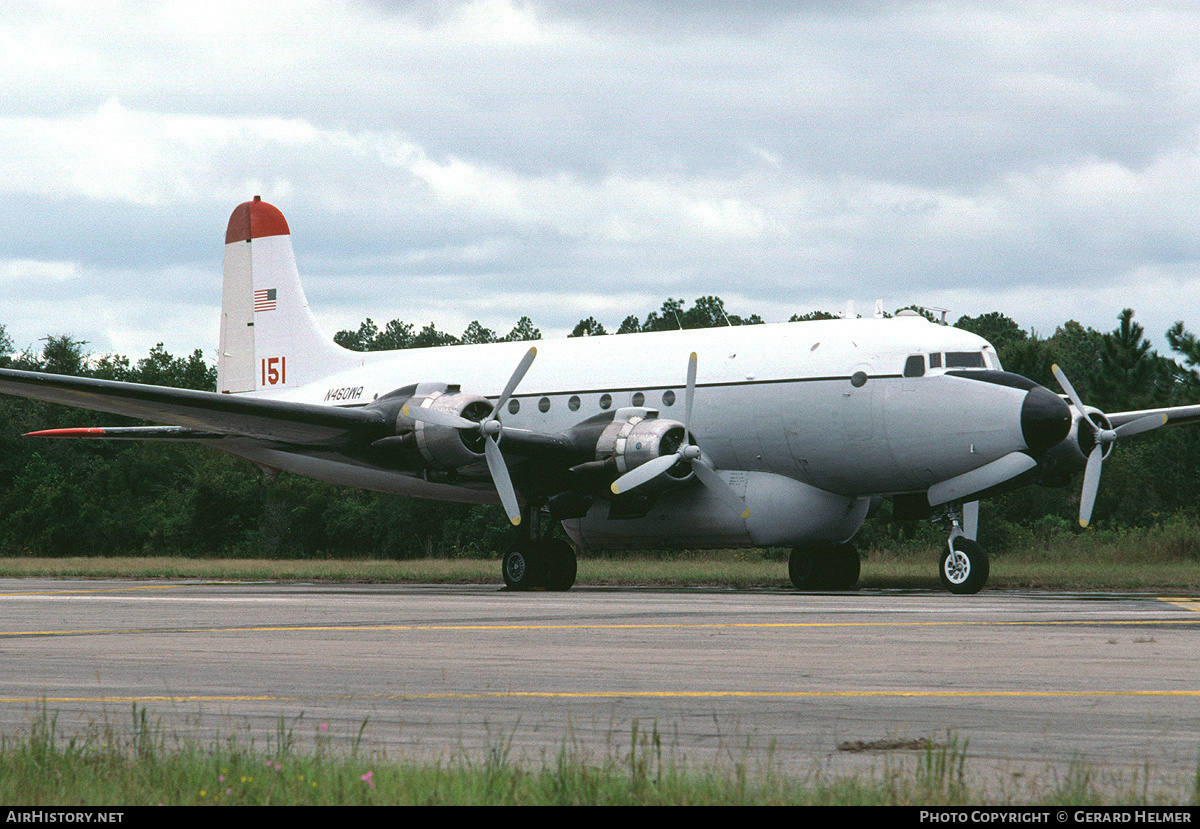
264	300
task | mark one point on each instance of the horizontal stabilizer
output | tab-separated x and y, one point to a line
217	414
128	433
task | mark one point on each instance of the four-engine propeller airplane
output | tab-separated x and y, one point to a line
766	435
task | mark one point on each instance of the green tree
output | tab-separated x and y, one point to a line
588	328
999	330
64	355
523	331
1129	374
476	333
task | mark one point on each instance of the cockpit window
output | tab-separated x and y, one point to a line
964	359
935	360
914	366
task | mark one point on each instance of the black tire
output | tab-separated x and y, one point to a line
844	568
523	566
806	566
561	565
824	567
966	571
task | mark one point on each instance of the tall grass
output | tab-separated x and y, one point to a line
138	763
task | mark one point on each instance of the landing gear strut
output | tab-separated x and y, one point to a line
534	560
824	567
964	563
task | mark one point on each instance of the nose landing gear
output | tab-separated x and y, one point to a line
964	563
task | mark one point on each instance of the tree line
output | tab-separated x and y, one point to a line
107	498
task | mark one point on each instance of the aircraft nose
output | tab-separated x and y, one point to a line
1045	419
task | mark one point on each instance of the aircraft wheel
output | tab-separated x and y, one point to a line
805	567
562	567
965	568
523	566
844	567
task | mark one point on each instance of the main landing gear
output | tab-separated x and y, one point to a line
534	560
964	564
824	567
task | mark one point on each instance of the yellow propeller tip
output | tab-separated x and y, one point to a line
516	520
1083	523
614	489
404	411
746	514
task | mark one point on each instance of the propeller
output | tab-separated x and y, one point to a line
1104	438
492	430
688	453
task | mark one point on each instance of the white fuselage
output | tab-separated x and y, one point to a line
770	398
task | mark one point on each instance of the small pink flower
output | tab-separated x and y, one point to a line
368	778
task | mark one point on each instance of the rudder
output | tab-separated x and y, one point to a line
269	337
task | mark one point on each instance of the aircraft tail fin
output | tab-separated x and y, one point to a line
269	337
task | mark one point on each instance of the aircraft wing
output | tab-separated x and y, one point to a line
202	415
1176	415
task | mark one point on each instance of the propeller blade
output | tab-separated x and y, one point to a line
438	418
517	377
690	395
502	480
1071	393
641	474
717	486
1091	484
1142	424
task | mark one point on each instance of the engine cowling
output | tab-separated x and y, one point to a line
444	447
632	440
1071	455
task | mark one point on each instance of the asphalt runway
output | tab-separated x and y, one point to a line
1027	682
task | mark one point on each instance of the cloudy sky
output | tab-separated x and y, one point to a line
450	161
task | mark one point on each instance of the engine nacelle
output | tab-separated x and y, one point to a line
444	447
783	512
639	435
1071	455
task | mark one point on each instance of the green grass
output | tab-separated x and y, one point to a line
1127	562
137	763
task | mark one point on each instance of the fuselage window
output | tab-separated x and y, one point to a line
668	398
544	405
514	406
914	366
573	403
964	359
639	399
605	401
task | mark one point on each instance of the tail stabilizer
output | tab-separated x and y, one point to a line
269	337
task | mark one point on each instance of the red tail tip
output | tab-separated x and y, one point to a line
255	219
